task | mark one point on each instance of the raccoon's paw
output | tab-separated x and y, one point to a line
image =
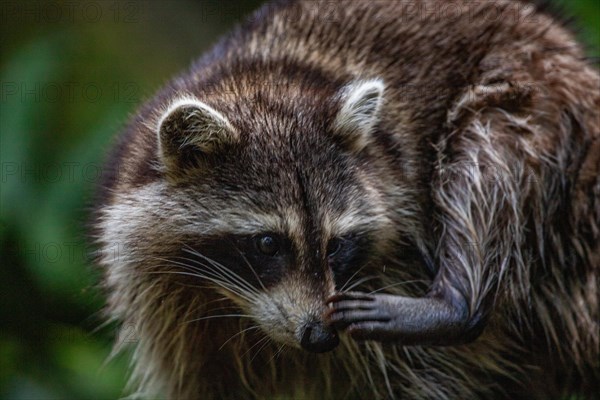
363	316
405	320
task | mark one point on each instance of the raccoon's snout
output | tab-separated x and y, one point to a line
317	338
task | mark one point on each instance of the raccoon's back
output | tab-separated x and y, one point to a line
425	50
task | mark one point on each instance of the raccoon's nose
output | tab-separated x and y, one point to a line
317	338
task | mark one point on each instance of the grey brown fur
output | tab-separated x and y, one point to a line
454	147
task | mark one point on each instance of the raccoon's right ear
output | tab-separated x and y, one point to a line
359	112
190	130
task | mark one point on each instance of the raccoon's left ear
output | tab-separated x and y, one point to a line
189	131
359	112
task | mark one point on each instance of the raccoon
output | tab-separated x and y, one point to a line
368	199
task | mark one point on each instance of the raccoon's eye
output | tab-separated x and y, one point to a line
267	244
333	247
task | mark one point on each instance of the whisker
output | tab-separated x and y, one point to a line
254	345
277	353
242	285
218	316
218	269
220	299
252	269
277	304
195	265
225	285
221	268
396	284
360	281
261	348
353	275
237	334
233	282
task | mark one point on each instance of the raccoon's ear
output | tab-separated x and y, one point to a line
359	112
190	130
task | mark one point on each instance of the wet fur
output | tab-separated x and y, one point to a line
489	140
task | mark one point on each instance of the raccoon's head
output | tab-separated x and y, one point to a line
276	207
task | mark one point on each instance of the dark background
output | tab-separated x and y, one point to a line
72	72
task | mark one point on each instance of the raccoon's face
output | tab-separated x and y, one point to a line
282	213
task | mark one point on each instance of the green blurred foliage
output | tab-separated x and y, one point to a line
71	74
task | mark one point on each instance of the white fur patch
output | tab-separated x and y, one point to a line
194	102
359	113
203	127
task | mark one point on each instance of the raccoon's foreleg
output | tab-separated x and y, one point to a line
478	211
384	317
